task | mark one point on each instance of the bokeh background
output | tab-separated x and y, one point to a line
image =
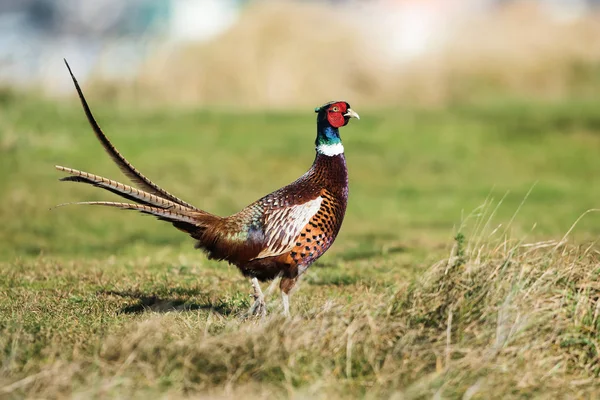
282	54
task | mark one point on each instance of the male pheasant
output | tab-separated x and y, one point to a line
279	235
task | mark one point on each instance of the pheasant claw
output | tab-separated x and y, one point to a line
259	308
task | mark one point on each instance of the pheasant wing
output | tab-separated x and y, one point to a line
283	226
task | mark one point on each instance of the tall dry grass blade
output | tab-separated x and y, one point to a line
564	238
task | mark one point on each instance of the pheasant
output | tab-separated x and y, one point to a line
279	235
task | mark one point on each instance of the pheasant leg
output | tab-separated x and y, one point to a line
285	299
286	285
259	308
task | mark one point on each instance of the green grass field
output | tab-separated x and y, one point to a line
448	279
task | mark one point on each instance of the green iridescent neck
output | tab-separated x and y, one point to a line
328	141
327	135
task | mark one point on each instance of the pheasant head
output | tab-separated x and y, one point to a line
331	117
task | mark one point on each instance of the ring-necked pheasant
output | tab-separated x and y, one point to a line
279	235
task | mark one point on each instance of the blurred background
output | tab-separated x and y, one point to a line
464	104
289	53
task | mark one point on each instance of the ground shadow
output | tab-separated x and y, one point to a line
145	302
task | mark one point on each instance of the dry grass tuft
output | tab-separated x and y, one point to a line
512	318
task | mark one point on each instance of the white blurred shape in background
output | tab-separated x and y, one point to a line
407	29
201	19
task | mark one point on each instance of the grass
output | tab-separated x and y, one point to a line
450	277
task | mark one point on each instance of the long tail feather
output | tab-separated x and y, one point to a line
129	170
161	213
125	191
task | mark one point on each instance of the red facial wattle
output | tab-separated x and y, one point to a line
335	114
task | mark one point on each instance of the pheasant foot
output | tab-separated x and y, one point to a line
259	308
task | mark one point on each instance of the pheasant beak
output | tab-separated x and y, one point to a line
350	113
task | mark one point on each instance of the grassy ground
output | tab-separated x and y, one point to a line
97	303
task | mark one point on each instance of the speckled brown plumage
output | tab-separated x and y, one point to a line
327	179
281	234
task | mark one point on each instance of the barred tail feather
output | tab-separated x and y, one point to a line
129	170
125	191
161	213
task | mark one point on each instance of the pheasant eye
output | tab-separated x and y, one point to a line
335	109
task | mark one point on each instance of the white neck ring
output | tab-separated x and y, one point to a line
330	149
